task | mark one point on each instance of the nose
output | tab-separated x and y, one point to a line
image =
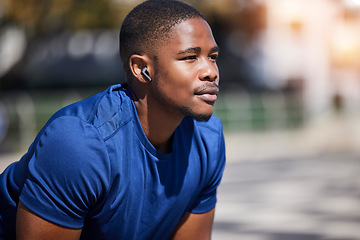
209	71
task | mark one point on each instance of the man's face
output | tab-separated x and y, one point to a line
186	75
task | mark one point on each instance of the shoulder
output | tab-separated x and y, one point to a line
76	155
105	111
77	133
68	131
85	125
69	141
98	108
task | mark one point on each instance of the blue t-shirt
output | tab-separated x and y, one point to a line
92	167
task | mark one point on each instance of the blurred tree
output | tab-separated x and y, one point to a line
40	20
40	17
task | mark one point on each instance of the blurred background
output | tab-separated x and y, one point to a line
289	102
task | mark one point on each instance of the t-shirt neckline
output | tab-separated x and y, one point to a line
142	137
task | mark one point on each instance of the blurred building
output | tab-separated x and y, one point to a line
318	43
310	47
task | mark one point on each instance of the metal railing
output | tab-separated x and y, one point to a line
26	113
265	111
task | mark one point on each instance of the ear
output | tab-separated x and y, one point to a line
137	63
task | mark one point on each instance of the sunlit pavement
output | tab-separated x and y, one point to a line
308	198
292	185
6	159
305	198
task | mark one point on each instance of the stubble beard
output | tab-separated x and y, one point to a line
197	116
186	110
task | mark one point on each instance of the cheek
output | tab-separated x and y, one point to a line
188	72
176	78
180	76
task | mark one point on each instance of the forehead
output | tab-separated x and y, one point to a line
190	33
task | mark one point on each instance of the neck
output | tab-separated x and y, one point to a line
157	125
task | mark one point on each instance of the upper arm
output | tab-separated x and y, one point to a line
30	226
195	226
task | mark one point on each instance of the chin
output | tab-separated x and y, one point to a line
198	116
201	117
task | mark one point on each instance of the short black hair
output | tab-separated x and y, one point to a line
149	24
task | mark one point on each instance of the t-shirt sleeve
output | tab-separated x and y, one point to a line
207	199
68	172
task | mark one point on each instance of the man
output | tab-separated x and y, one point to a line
141	160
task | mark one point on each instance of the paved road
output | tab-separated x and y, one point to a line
305	198
290	199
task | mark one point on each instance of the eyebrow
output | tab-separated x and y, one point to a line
197	50
215	49
190	50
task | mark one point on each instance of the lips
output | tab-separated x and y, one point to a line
207	93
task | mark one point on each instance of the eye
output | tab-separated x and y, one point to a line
214	57
192	57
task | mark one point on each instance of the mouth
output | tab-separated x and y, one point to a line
207	93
